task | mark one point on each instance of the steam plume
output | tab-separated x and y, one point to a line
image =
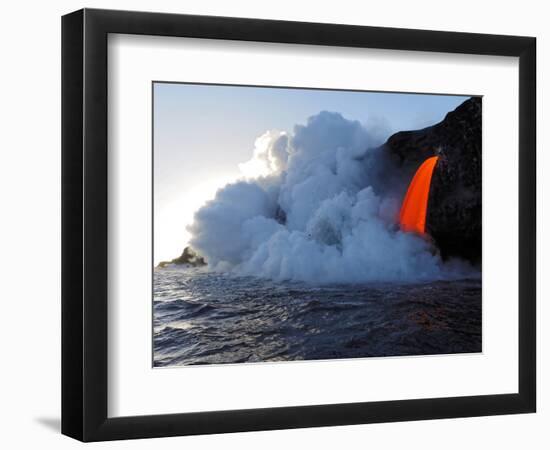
318	204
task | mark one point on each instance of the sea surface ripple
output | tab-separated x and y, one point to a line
202	317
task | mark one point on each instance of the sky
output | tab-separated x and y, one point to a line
203	132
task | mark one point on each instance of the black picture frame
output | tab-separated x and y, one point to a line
84	224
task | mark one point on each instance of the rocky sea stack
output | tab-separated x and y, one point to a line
454	207
188	258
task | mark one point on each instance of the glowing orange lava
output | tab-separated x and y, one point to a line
415	206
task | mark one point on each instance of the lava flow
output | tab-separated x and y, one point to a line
415	205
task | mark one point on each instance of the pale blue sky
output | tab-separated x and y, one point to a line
202	133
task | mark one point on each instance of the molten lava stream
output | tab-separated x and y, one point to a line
415	205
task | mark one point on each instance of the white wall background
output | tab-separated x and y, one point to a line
30	223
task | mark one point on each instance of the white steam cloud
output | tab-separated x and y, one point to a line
315	205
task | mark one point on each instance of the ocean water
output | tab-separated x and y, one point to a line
211	318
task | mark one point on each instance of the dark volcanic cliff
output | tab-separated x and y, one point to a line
454	206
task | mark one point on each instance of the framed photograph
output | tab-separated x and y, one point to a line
273	224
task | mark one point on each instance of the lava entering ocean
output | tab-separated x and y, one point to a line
415	205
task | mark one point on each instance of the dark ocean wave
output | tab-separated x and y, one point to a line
209	318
